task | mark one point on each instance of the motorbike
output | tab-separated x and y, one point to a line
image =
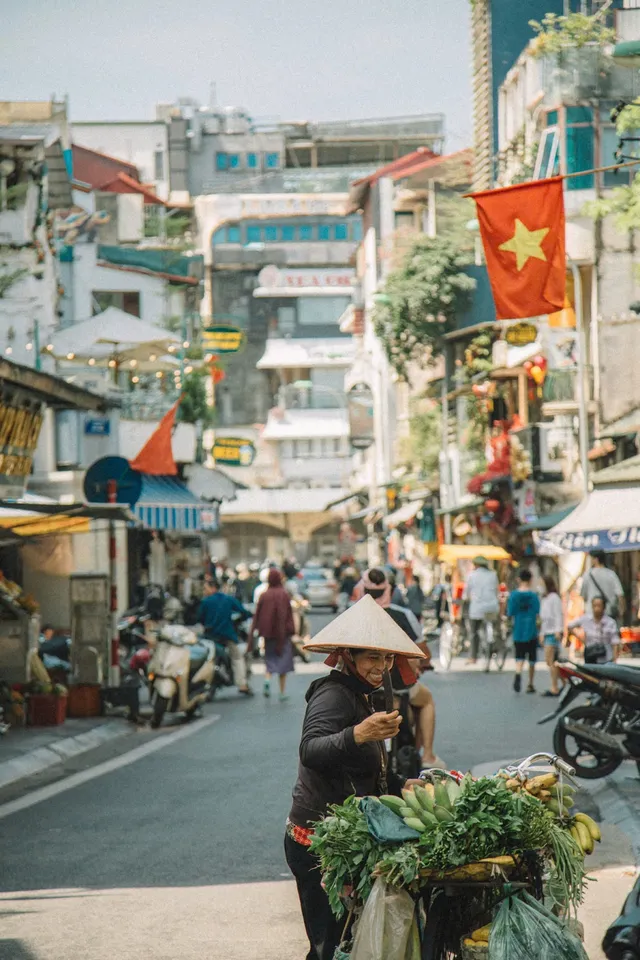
595	737
131	628
622	939
223	673
180	672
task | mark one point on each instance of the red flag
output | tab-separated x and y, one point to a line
156	456
523	234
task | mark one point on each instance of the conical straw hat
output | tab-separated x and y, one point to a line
367	626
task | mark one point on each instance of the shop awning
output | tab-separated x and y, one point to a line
167	504
452	552
29	524
607	519
35	516
404	514
547	522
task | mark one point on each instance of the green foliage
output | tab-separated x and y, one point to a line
194	405
421	300
17	196
557	33
7	280
629	118
623	203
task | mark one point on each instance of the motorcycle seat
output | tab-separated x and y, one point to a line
614	671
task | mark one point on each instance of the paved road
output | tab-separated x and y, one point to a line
179	854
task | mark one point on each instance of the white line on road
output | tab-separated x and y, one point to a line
77	779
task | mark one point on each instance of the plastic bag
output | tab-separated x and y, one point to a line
523	928
386	929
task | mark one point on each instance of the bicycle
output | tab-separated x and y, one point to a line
494	644
451	641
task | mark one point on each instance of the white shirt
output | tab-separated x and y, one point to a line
601	582
482	592
551	615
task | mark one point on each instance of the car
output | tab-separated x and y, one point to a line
319	587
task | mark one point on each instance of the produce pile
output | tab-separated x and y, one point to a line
469	830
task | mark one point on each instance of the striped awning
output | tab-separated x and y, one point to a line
167	504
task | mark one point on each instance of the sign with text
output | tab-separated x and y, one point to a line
222	338
521	334
20	423
339	279
234	451
97	427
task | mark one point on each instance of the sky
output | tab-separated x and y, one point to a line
281	59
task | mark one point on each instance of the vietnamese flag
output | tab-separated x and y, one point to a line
522	229
156	456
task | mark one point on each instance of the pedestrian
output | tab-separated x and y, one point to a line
600	633
481	592
602	582
524	609
551	631
415	598
216	614
273	620
342	749
347	586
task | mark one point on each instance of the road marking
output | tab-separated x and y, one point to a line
77	779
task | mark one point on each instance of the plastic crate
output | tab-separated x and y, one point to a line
47	710
85	700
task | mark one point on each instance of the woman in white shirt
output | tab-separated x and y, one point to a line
551	631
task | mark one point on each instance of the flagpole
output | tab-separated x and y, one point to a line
583	415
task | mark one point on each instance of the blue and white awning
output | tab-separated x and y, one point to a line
607	519
167	504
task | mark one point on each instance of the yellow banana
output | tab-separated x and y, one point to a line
576	836
590	824
543	782
586	840
482	933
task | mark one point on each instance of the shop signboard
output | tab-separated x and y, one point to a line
234	451
525	498
614	540
521	334
222	338
20	424
335	280
360	410
97	427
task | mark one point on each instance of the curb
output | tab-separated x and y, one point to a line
36	761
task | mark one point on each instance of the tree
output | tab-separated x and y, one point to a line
421	450
557	33
194	404
623	204
420	301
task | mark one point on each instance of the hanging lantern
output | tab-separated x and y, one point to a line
492	506
528	366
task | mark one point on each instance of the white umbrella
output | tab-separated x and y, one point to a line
112	335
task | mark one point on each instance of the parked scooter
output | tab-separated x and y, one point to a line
622	939
180	672
595	737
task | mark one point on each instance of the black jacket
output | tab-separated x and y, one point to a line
332	766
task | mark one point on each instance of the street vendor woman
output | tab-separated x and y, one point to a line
342	748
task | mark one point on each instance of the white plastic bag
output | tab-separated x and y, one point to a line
386	926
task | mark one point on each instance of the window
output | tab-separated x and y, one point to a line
324	231
321	311
305	232
286	449
220	236
221	161
286	321
254	234
272	161
233	161
271	234
127	300
302	448
158	163
547	160
252	161
356	230
340	232
233	234
288	234
552	118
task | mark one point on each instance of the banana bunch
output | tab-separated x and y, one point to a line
585	832
479	938
425	807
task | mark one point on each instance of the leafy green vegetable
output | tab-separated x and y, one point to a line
567	880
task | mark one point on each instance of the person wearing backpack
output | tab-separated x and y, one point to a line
605	584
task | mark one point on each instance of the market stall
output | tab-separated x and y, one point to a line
461	868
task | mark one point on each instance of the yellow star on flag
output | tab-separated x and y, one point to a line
525	244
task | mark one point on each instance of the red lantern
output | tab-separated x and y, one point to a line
492	506
540	361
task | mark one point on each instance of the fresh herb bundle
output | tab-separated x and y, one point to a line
568	879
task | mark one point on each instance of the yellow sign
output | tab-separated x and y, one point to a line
222	339
234	451
521	334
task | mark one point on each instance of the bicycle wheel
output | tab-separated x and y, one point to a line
445	645
487	644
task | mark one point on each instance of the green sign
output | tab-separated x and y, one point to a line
521	334
234	451
222	338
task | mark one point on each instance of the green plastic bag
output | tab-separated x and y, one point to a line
523	928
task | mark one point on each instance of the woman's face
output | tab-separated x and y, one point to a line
371	666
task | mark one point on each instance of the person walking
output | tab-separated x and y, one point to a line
524	609
416	598
216	614
600	633
551	631
273	620
481	591
602	582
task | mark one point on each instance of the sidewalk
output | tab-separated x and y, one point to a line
26	751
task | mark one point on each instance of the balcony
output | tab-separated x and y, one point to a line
19	206
305	395
577	75
560	391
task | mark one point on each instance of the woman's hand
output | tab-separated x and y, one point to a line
379	726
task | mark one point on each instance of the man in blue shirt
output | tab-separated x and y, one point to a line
216	615
524	610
